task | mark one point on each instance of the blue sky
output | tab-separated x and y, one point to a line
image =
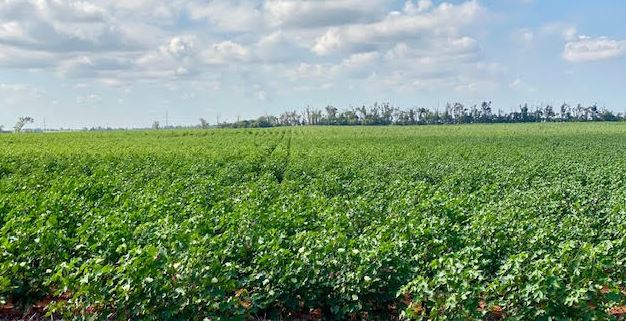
126	63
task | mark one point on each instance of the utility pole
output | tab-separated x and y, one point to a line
44	124
167	124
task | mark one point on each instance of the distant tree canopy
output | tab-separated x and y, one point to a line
456	113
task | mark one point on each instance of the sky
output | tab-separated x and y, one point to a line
127	63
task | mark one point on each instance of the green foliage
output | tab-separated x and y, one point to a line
522	222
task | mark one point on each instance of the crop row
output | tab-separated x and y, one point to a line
453	222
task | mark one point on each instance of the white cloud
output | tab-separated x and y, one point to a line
314	42
234	16
89	66
361	59
445	19
310	71
158	12
321	13
12	57
11	30
591	49
564	30
421	6
356	66
224	52
569	33
90	99
437	63
179	47
425	65
278	47
60	25
436	52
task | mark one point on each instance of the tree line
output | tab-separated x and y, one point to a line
380	114
456	113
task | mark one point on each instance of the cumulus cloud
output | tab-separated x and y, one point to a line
51	25
179	47
321	13
225	51
92	66
11	57
448	51
587	48
419	6
278	46
232	16
411	23
117	42
158	12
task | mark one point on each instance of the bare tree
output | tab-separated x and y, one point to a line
21	122
204	123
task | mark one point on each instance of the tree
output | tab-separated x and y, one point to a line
156	125
608	115
537	114
412	116
524	112
593	111
203	123
485	111
421	115
387	112
21	122
549	113
361	114
331	113
474	114
565	112
349	117
458	112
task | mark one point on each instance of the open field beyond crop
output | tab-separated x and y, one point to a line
473	222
